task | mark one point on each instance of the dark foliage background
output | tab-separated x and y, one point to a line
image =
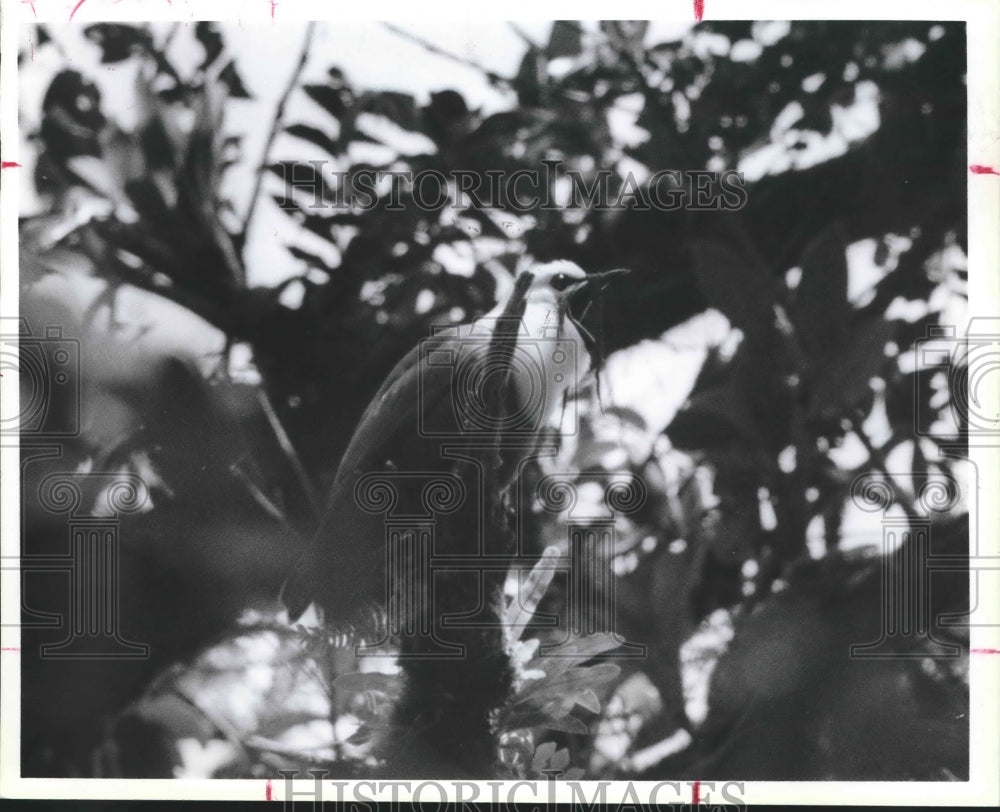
237	456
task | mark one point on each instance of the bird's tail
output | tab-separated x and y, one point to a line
341	570
301	584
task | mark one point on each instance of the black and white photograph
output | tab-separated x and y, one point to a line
391	407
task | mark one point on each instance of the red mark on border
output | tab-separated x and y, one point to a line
76	8
10	648
268	791
696	793
984	651
274	5
980	169
699	9
32	4
10	165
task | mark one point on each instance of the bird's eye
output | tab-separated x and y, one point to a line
560	281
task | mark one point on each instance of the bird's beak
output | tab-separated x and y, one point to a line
581	295
580	298
604	277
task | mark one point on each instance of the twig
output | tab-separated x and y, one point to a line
229	731
494	78
257	494
286	446
261	744
169	38
54	40
524	36
279	114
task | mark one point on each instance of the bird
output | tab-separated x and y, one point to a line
437	391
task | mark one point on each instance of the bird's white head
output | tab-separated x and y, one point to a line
555	280
556	302
559	296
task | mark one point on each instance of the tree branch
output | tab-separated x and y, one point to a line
279	114
493	78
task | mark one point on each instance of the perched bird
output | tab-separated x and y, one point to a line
433	396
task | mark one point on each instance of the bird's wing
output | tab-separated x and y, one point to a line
392	414
388	423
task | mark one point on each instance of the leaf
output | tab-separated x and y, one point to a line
626	415
543	755
844	381
537	718
568	724
310	259
821	311
231	78
500	129
713	418
907	403
314	135
360	682
400	108
447	118
579	650
560	760
626	34
98	176
762	384
732	283
319	224
283	720
154	252
522	608
530	78
547	757
158	148
566	39
207	33
565	684
305	176
335	100
588	699
117	42
367	732
591	456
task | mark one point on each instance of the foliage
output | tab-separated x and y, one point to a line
765	427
